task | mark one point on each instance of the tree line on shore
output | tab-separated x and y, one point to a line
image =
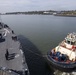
48	12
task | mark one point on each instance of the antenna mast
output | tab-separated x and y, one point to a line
0	18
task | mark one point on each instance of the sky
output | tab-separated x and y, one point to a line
32	5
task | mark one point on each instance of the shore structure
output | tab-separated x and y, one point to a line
12	59
63	56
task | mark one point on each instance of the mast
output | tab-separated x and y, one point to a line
0	18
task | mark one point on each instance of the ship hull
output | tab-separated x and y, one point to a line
64	67
12	59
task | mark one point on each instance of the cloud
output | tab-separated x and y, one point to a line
27	5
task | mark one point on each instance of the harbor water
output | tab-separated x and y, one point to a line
38	34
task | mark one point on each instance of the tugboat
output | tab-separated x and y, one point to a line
12	60
63	56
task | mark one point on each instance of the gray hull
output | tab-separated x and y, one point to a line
11	53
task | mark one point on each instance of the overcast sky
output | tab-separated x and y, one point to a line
29	5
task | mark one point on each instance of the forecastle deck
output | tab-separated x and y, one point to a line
11	54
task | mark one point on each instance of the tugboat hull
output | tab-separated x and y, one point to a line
64	67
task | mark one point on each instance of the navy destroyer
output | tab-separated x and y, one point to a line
12	60
63	56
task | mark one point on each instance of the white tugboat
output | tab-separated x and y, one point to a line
63	57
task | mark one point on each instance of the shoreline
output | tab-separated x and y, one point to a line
61	15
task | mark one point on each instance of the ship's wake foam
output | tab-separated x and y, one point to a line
57	72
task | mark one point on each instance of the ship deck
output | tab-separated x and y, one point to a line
16	60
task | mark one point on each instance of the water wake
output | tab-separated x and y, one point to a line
57	72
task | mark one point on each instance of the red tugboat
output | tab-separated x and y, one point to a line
63	57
